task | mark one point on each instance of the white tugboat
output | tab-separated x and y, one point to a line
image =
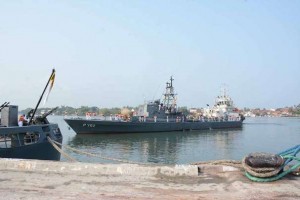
223	109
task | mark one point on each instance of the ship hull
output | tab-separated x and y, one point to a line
39	151
14	142
81	126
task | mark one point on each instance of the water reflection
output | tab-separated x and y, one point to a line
164	147
257	135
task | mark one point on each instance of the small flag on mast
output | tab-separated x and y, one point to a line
52	78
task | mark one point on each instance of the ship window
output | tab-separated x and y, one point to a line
31	137
5	141
17	139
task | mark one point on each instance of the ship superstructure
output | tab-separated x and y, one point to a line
223	107
164	109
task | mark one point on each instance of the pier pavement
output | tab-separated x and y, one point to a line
35	179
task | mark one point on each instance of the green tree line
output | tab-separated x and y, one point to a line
81	111
67	110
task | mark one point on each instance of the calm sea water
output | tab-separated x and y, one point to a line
271	135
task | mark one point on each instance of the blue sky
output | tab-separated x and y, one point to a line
118	53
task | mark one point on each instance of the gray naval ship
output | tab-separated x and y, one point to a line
28	141
32	139
163	116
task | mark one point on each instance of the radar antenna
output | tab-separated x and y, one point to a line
169	97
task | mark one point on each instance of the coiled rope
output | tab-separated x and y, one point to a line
272	174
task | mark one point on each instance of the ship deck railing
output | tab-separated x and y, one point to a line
149	119
12	140
172	120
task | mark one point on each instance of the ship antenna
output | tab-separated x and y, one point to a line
171	79
224	90
37	105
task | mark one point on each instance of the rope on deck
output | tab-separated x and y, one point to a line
232	163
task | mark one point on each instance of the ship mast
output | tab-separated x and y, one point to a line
224	90
169	97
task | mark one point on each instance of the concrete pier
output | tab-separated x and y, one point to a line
35	179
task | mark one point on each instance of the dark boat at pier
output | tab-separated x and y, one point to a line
163	116
31	140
